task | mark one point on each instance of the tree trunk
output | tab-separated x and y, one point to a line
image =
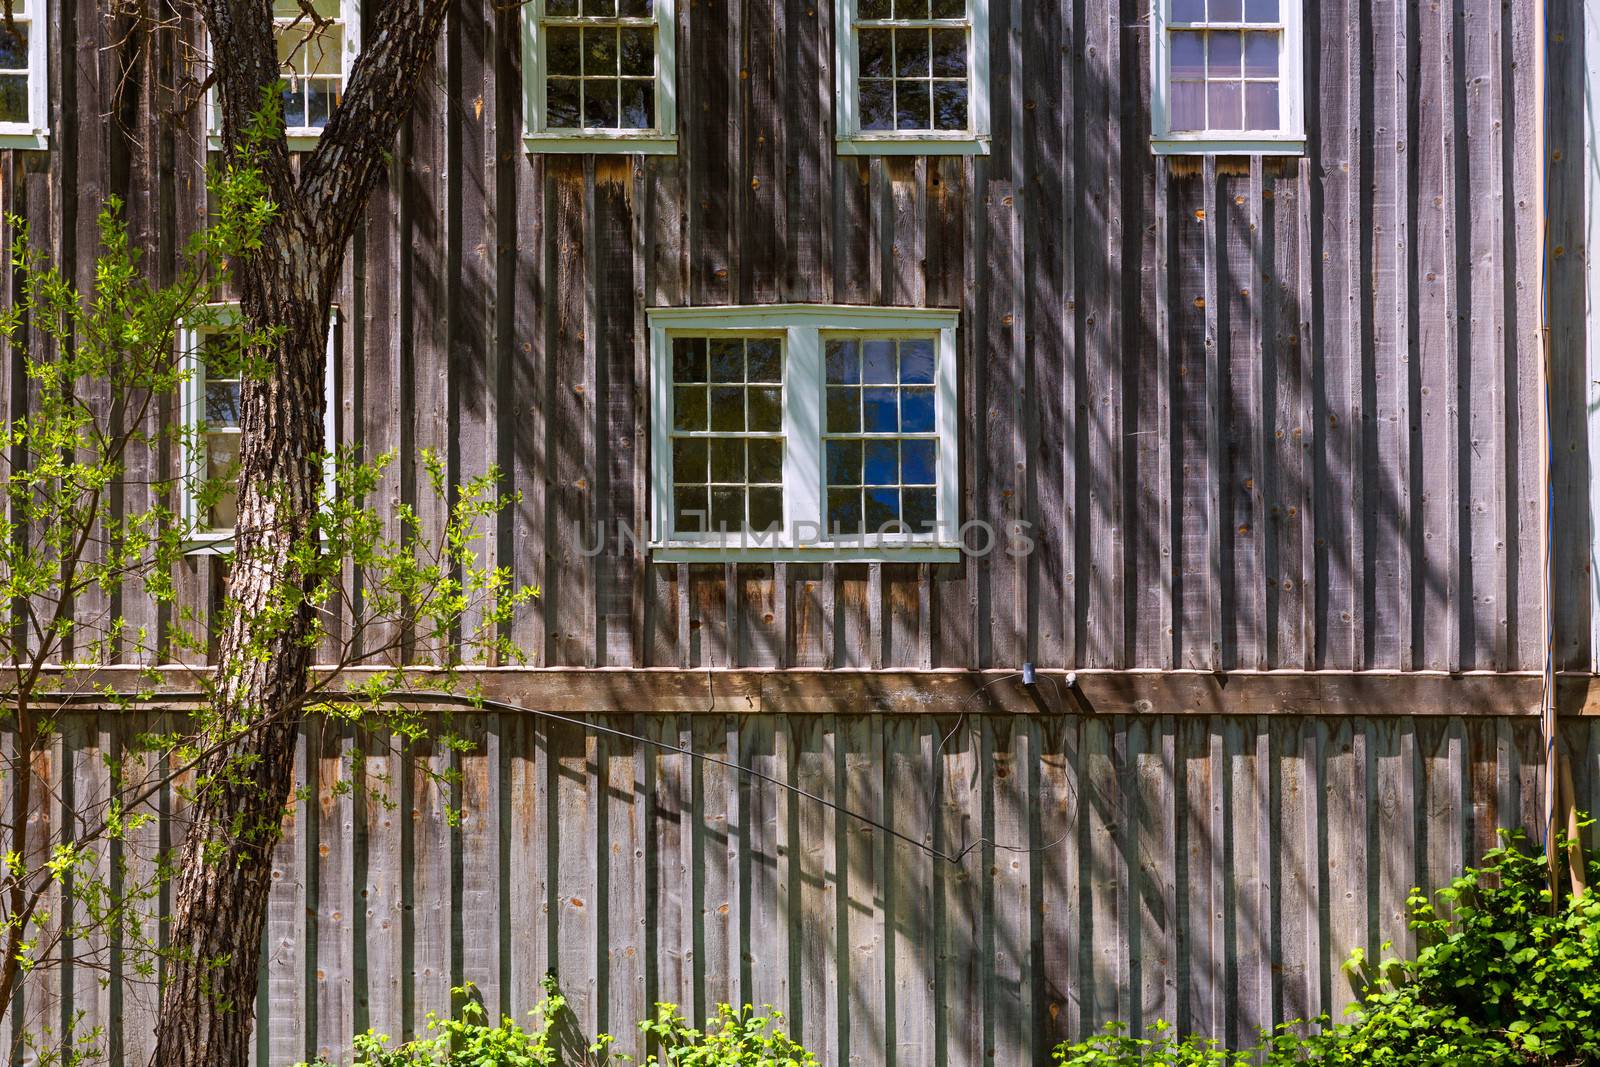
208	1002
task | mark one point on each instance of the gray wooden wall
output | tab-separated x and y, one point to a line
1211	871
1262	413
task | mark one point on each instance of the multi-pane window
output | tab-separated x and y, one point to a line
22	76
882	442
1226	76
212	389
599	71
802	432
727	433
317	45
913	75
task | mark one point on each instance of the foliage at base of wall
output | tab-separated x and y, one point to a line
1500	978
736	1037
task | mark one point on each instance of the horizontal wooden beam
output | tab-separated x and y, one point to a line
942	692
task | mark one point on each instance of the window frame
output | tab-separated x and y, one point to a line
851	140
300	138
804	327
1290	140
192	409
34	133
538	137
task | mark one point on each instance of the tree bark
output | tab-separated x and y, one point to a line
208	1002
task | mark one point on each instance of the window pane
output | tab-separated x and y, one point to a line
1188	10
877	105
561	8
917	462
878	363
844	462
1261	55
766	410
1224	54
727	408
294	103
844	510
564	56
881	463
916	362
1261	10
1222	102
949	9
727	509
323	52
222	465
639	105
633	8
689	514
222	404
1226	10
766	509
1188	106
1188	55
766	462
913	106
561	103
600	103
13	98
1261	105
876	53
688	359
689	460
844	363
763	360
14	47
322	96
950	105
916	410
638	50
883	507
910	9
727	460
919	509
911	53
599	7
600	53
872	9
844	410
727	359
689	409
949	53
879	411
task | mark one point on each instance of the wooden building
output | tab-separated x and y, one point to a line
1245	345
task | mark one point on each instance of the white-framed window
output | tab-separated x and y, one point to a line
912	77
24	85
599	76
1227	77
210	412
803	431
318	41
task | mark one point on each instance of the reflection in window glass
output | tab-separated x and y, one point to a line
14	42
311	46
727	434
600	64
913	77
881	449
1223	65
220	383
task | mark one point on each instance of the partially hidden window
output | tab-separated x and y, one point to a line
599	76
1228	77
24	117
802	431
212	388
913	76
318	41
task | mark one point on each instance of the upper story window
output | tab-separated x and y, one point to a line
24	116
913	76
803	432
599	76
318	41
1228	77
210	409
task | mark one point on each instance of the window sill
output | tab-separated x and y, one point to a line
1219	146
690	552
600	144
864	145
298	142
24	140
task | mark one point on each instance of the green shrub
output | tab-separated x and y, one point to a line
1498	980
735	1038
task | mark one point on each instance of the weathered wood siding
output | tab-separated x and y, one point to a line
1260	413
1212	871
